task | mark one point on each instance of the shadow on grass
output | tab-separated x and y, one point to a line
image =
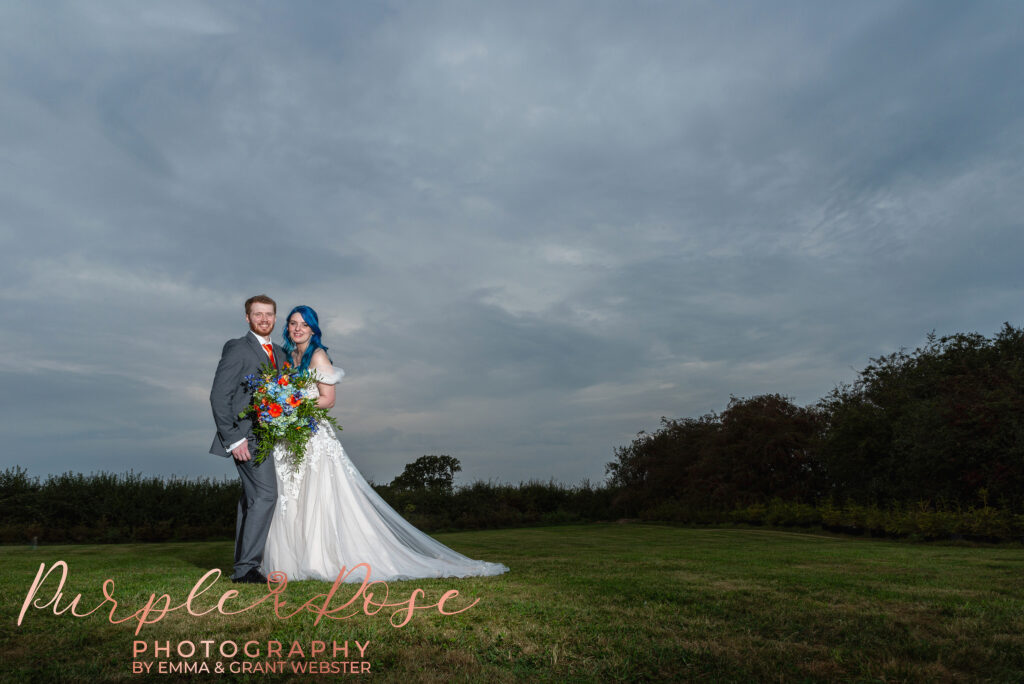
207	555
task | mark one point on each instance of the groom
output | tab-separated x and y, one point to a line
229	397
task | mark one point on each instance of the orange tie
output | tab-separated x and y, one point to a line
269	348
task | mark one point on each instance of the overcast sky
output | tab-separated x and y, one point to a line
530	229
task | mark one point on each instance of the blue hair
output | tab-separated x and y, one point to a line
308	315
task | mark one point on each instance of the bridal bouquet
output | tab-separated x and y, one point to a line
282	412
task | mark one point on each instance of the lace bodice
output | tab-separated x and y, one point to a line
291	476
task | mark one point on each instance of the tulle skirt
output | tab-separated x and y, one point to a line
328	517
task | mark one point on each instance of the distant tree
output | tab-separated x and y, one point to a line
757	449
942	423
429	472
658	466
766	450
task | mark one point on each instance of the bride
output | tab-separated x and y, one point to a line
327	516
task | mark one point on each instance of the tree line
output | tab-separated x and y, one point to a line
936	431
927	443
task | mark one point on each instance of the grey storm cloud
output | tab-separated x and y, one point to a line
530	229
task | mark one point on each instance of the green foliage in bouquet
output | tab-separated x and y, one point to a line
283	411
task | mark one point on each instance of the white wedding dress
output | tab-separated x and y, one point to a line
328	517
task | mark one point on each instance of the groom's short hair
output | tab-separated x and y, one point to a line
261	299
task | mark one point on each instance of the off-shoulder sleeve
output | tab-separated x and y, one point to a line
328	375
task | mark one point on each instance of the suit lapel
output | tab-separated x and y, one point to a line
257	348
261	353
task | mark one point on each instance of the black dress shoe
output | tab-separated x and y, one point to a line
254	576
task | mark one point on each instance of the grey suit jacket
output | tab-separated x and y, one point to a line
229	395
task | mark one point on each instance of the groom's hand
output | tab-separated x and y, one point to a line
241	452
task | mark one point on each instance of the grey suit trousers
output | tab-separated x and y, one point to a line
255	511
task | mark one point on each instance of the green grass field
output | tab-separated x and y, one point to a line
619	602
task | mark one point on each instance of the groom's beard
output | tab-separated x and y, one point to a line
263	331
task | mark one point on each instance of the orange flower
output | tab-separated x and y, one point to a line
283	380
275	410
293	401
261	390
